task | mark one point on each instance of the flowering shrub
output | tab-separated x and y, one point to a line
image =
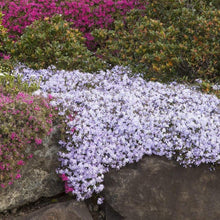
121	118
170	41
52	42
84	14
196	34
25	120
127	45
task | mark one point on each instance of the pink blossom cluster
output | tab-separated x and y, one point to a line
84	14
21	129
66	179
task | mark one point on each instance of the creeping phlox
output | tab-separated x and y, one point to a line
120	118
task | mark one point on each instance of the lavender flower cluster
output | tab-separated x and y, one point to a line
122	118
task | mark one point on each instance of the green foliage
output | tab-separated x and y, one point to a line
170	39
6	64
199	49
197	34
167	11
5	42
52	42
3	35
208	87
140	42
216	3
14	85
4	69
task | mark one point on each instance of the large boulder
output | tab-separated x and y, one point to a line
69	210
156	188
39	178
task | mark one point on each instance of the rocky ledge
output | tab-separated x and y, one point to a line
154	188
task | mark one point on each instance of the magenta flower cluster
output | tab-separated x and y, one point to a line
85	14
23	120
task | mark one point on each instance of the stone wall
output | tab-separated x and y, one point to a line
155	188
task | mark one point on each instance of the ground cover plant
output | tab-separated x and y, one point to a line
25	120
116	116
119	118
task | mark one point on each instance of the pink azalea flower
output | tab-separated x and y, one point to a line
2	185
13	135
50	96
20	162
38	141
30	156
6	57
64	177
18	176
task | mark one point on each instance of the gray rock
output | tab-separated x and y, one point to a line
39	178
70	210
156	188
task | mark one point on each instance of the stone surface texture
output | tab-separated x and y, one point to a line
39	178
70	210
156	188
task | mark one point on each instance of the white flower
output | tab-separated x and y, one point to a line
37	92
100	201
2	74
198	81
